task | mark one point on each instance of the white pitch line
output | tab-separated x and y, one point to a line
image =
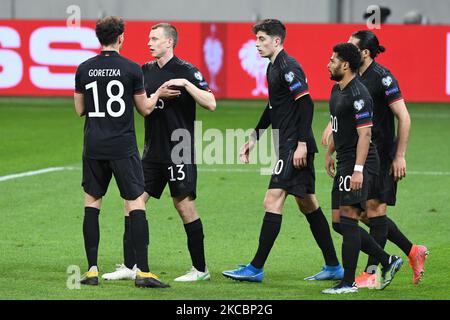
241	170
36	172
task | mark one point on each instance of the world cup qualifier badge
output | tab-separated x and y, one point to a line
198	76
289	77
358	104
386	81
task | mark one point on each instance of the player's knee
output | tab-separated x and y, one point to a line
349	212
372	206
136	204
270	204
375	209
307	204
90	201
184	206
187	212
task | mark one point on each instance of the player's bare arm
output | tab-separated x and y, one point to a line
263	124
362	149
326	134
329	160
398	167
168	93
204	98
246	148
78	99
300	153
145	105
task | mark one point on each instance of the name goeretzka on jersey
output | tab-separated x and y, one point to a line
104	72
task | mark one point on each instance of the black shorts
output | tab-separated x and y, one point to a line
341	195
297	182
383	188
128	174
182	179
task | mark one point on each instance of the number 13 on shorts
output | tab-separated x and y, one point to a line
176	172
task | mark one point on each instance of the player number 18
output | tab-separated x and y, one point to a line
112	98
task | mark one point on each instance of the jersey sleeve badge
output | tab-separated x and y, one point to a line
289	77
358	105
386	81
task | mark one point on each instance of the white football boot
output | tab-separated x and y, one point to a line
121	273
194	275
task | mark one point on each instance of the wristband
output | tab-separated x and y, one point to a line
358	168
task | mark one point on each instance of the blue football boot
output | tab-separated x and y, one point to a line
328	273
245	273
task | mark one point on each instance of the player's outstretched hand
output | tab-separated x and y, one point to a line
398	168
329	166
245	150
176	83
166	93
300	155
356	181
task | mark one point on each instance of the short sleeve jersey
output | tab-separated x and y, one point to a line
350	109
108	82
171	114
287	82
384	89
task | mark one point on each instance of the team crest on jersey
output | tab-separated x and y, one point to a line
386	81
358	104
289	77
198	76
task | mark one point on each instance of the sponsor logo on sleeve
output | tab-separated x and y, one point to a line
295	86
362	115
392	91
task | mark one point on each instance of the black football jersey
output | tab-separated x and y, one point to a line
350	109
384	89
169	114
287	83
108	82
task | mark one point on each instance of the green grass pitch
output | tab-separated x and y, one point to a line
41	215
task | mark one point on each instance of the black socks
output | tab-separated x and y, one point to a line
379	232
351	246
129	255
398	238
194	232
269	232
368	245
321	232
140	238
91	234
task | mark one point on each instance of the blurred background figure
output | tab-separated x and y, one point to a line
415	17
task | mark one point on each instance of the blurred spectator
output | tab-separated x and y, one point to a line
415	17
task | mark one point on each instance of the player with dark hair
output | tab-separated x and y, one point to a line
358	164
106	87
388	103
290	111
171	125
